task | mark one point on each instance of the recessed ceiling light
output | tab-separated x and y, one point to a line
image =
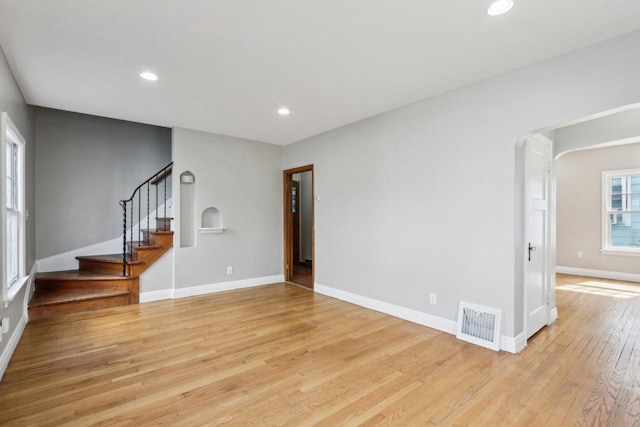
284	111
499	7
149	76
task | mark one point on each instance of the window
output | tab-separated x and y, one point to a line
621	212
13	213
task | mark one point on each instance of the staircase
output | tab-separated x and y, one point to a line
110	280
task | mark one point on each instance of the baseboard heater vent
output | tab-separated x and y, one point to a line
479	325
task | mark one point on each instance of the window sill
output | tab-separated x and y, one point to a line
14	290
620	251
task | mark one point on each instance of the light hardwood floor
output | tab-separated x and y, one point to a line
281	355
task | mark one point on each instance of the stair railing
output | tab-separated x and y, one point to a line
136	202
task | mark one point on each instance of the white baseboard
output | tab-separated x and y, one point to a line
601	274
5	357
510	344
425	319
553	315
226	286
513	344
156	295
208	289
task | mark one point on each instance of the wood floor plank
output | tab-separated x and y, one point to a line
282	355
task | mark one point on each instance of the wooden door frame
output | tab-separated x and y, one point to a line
287	178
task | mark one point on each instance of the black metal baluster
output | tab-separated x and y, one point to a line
156	179
131	205
131	228
146	241
124	238
139	215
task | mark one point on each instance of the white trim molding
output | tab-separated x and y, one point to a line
209	289
10	348
513	344
601	274
156	295
424	319
620	251
626	210
510	344
5	357
10	136
553	316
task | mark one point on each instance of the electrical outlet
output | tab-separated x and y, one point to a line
229	271
5	325
433	299
579	254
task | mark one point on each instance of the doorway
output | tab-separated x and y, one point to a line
299	245
535	271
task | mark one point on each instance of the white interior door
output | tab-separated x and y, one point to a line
537	175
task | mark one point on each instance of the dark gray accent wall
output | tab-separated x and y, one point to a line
22	115
12	102
85	165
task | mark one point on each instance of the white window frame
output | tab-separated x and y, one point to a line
11	135
606	247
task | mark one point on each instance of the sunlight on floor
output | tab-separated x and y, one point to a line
614	290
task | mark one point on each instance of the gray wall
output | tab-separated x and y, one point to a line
421	199
579	207
12	102
85	165
243	180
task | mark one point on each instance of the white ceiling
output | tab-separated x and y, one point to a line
225	66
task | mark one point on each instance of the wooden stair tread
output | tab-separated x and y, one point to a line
153	231
146	248
110	258
77	275
141	244
44	298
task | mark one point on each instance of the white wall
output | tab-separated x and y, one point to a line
579	207
421	199
243	180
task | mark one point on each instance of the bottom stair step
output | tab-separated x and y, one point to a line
72	295
58	302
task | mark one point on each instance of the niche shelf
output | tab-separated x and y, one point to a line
211	221
211	230
187	209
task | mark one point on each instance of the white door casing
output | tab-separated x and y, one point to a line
537	265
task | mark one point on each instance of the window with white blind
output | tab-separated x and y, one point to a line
621	212
13	214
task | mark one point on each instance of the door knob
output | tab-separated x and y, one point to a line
531	249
